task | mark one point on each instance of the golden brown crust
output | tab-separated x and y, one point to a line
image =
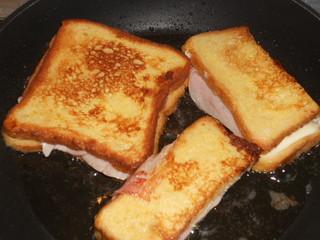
288	154
174	76
276	81
243	145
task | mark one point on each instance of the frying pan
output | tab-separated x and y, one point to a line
55	198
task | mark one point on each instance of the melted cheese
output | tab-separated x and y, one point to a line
308	129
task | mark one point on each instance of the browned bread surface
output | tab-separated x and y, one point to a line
266	101
203	162
24	145
101	90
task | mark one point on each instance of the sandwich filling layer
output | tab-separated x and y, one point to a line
208	101
308	129
98	164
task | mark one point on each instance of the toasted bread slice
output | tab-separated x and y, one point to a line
100	90
169	193
98	164
266	102
171	103
288	149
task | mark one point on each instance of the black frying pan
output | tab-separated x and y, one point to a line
56	198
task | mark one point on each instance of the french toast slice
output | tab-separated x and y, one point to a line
267	102
173	190
24	145
100	90
236	81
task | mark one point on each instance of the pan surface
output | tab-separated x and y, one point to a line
56	197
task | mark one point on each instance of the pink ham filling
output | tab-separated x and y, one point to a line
135	183
98	164
208	101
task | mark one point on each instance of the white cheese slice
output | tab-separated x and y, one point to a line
308	129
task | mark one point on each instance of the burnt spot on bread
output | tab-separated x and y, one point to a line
243	145
168	75
165	78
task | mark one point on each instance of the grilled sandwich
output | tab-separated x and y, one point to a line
235	80
101	94
175	189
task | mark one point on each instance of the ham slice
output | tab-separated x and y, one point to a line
208	101
98	164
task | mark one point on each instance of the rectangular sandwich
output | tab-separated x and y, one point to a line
235	80
101	94
175	189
